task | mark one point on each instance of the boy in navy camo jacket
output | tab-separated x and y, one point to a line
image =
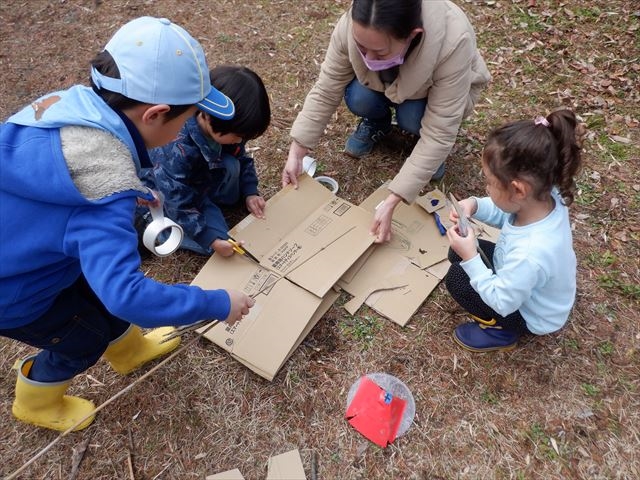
207	168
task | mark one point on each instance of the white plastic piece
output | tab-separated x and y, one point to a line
328	182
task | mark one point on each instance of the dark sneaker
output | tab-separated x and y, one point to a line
477	337
362	141
439	173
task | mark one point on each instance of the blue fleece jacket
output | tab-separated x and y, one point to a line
55	225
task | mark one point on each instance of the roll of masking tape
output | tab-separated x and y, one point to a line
162	236
328	182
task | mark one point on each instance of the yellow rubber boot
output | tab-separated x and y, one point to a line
46	405
132	349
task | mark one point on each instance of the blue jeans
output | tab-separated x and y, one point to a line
375	107
73	334
226	192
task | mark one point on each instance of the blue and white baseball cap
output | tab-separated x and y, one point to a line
160	63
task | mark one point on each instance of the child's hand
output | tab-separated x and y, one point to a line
149	203
222	247
255	204
465	247
240	305
469	207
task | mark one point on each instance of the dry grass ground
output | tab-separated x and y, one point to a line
562	406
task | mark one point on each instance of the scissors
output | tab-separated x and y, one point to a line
239	249
179	331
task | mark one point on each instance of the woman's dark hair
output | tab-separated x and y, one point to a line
545	152
104	63
397	18
249	96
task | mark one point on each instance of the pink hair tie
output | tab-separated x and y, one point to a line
541	121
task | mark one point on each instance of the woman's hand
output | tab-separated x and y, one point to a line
381	226
293	167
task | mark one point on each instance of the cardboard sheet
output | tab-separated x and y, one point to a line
374	281
310	242
415	234
228	475
307	242
286	466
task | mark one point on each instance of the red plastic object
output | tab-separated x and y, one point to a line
375	413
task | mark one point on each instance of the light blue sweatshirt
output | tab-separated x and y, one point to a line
535	267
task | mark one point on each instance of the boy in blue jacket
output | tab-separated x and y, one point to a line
70	279
206	168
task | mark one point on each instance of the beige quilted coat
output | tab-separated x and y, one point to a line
445	67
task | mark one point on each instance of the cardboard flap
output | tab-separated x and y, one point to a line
376	285
286	466
398	305
325	268
241	274
322	231
279	350
267	335
287	209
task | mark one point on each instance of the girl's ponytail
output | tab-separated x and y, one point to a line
568	135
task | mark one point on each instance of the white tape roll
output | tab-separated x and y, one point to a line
161	225
309	165
328	182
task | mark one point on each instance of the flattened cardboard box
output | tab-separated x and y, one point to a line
307	242
393	279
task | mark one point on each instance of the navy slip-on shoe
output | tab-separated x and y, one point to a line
477	337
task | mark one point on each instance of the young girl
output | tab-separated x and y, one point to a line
529	167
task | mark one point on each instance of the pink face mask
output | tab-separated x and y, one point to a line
387	63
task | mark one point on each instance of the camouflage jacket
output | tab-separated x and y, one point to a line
188	172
